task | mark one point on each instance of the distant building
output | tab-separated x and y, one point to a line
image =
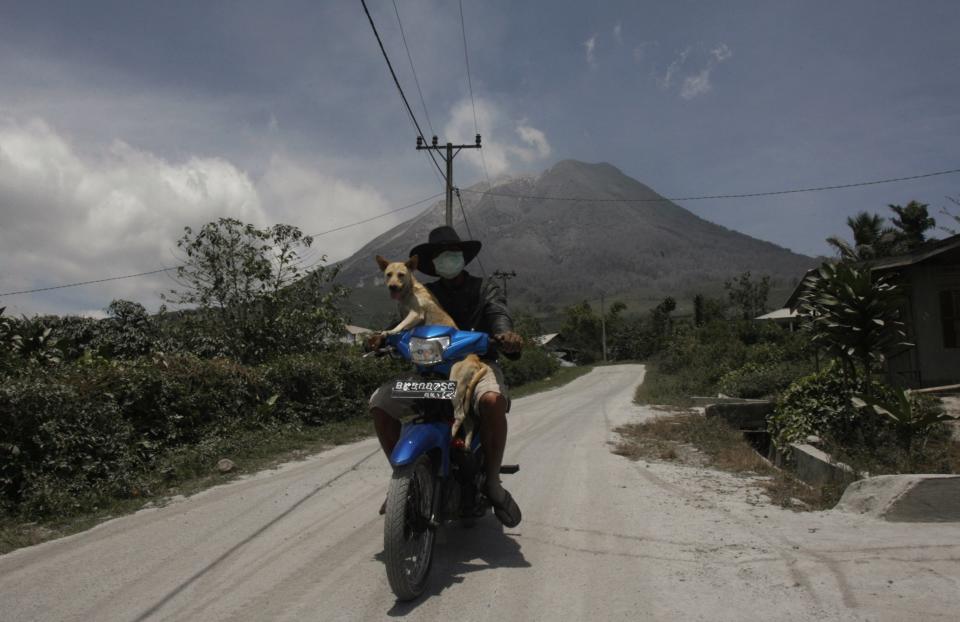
929	279
785	317
553	343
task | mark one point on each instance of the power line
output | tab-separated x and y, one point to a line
416	81
112	278
719	196
470	233
476	126
396	81
366	220
139	274
466	58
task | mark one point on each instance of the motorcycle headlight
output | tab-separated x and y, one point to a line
428	351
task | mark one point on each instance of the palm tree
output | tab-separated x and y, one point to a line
913	221
871	239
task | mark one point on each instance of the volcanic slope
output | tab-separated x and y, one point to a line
567	251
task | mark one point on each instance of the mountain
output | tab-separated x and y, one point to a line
566	251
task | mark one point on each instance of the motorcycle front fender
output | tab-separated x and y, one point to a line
417	439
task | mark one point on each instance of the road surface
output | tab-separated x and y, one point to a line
603	538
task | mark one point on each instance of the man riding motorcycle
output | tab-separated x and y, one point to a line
474	304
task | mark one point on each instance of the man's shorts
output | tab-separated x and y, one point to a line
400	409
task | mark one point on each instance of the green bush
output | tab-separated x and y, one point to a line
755	380
63	446
316	389
534	364
80	432
821	404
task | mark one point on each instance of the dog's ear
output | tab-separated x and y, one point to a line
383	263
411	263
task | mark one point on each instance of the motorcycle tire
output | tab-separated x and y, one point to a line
407	535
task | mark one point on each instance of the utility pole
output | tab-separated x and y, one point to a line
447	153
504	276
603	327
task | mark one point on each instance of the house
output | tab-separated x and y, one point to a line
929	279
553	343
784	317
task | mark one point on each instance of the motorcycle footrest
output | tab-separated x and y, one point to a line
509	469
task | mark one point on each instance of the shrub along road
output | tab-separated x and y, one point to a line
602	538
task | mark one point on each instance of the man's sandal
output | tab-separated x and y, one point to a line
507	511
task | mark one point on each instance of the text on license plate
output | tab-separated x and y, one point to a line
424	389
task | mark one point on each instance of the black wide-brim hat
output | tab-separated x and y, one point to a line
443	239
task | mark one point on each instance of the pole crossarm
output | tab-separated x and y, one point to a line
448	154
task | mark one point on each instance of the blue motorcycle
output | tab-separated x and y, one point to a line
436	478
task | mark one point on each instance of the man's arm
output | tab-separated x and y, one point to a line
498	319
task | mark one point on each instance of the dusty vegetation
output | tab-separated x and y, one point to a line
99	417
692	439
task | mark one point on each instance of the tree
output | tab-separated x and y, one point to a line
747	296
582	329
913	221
946	212
852	316
252	288
871	239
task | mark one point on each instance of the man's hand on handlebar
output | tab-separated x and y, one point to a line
510	342
374	342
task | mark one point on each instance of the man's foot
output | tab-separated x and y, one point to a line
504	507
383	508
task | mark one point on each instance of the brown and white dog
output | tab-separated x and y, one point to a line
421	307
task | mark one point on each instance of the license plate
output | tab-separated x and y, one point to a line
424	389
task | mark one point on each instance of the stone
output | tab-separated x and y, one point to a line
225	465
817	467
907	498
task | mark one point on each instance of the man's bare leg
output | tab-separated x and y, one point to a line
388	430
493	436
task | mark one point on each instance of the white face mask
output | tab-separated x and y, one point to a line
448	264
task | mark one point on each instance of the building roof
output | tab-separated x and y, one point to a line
780	314
924	253
542	340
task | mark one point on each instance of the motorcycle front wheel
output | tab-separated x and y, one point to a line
407	535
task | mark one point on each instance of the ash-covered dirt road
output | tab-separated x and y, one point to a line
603	538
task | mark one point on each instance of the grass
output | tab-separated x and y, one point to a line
665	389
559	378
694	439
191	470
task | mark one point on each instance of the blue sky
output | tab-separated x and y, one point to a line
122	122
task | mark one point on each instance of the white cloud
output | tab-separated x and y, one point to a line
68	215
696	85
507	143
618	33
698	82
304	196
722	52
590	45
675	66
535	139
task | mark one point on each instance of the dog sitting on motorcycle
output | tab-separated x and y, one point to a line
473	304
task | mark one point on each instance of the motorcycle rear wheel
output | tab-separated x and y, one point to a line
407	535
